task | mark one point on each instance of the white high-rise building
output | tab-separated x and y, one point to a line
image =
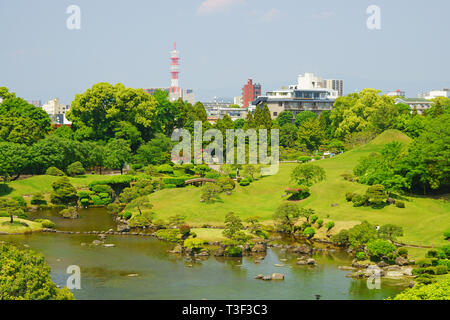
56	111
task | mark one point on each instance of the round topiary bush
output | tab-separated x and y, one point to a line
75	169
46	223
309	232
54	171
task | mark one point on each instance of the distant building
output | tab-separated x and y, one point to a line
310	81
216	110
238	101
56	111
250	92
186	94
307	94
419	104
396	93
435	93
334	84
36	103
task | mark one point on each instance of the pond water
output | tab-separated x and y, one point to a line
106	272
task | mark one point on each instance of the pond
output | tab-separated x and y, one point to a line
141	268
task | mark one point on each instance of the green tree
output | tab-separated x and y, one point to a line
427	165
210	192
376	195
106	110
156	151
288	135
75	169
440	290
390	232
233	224
303	117
379	248
117	154
307	174
286	216
285	117
21	122
11	207
14	159
63	192
361	234
306	213
25	275
311	134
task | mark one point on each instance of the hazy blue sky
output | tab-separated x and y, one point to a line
222	43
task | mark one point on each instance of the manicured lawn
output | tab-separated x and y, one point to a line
5	226
43	184
424	219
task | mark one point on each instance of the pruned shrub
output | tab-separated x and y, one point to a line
75	169
359	200
177	181
309	232
46	223
195	244
347	177
233	251
447	235
245	182
185	229
102	188
329	225
171	235
226	184
212	175
400	204
298	192
424	262
20	201
361	256
54	171
349	196
319	223
38	199
164	168
304	159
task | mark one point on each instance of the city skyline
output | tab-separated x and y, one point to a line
122	43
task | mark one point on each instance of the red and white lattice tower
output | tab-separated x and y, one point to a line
175	71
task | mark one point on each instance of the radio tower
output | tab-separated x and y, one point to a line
175	91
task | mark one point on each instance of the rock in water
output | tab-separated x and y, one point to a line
259	247
109	245
278	276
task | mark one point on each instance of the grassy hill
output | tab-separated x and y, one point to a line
424	219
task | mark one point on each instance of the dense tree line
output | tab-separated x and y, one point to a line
113	125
